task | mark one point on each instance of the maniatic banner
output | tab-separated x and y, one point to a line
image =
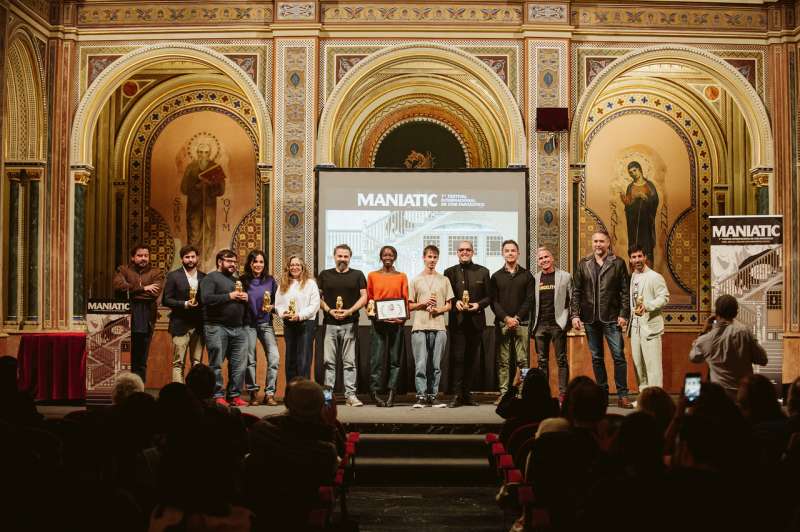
747	263
108	345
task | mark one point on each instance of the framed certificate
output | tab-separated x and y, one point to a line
390	309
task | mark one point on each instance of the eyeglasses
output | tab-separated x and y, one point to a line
229	260
462	250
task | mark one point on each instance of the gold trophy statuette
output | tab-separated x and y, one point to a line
371	307
266	305
433	305
292	310
465	298
238	286
339	303
192	295
639	310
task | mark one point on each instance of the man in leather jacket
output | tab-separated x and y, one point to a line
600	303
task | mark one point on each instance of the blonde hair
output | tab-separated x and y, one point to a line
286	279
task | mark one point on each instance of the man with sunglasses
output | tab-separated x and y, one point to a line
467	321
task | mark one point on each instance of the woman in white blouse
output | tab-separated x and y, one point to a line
298	290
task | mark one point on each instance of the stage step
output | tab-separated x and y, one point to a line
422	459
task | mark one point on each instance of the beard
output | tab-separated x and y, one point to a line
341	265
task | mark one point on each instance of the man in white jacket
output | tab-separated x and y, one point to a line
649	294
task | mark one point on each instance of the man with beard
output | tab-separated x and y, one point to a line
649	294
343	291
141	283
186	318
224	305
600	302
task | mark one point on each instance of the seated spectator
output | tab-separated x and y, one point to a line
727	346
201	381
534	405
126	385
760	407
291	455
16	407
657	402
585	403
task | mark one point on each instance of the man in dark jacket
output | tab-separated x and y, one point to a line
142	284
467	320
186	318
600	302
291	455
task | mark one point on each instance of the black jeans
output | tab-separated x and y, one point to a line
544	334
465	344
299	338
140	346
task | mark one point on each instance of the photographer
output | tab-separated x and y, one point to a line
727	346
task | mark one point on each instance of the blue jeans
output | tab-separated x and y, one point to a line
263	333
427	344
299	338
594	335
227	342
345	336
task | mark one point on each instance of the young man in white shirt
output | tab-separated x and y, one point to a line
649	294
430	296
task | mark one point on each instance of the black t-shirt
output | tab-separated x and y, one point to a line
348	285
547	290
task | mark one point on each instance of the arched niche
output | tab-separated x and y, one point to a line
421	81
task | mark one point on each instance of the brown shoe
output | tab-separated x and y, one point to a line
253	399
497	401
269	400
623	402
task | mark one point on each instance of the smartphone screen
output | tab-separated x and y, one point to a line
523	373
691	386
328	394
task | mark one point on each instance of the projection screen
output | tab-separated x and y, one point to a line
409	209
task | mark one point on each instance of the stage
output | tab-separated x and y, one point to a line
369	419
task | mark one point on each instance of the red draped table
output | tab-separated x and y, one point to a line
52	366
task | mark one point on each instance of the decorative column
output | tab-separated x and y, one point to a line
296	33
785	197
23	280
265	181
81	178
547	86
760	179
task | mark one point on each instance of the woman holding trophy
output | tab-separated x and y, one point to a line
261	288
297	303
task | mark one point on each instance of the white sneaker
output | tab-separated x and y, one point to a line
352	400
419	404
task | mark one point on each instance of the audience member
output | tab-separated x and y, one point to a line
534	404
727	346
126	385
297	447
657	402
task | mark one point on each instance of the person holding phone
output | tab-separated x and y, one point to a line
728	346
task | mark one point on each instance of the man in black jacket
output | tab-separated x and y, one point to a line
600	302
511	290
467	321
186	318
224	304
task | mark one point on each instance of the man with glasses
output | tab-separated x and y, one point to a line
467	320
224	305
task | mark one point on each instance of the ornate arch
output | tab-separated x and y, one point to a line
745	96
112	77
391	79
25	122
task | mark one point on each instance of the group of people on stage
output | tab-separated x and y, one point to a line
230	314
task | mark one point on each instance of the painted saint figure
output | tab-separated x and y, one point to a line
203	182
641	204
